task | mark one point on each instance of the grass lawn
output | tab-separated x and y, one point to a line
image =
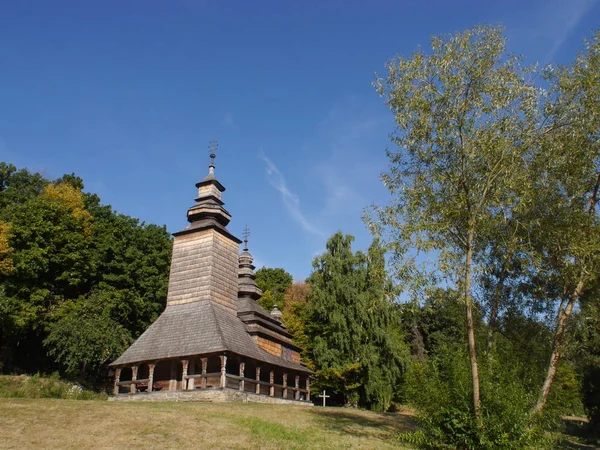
66	424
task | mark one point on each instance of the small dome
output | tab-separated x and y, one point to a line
276	313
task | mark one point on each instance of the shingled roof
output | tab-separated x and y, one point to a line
194	329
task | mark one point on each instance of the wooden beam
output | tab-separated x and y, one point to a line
134	371
150	376
117	378
204	364
223	371
242	367
184	365
257	380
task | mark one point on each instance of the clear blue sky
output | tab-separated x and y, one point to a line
127	94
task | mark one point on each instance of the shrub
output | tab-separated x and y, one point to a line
37	386
440	390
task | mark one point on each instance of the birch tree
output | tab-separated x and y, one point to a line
464	114
567	184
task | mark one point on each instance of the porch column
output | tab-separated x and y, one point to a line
173	379
184	364
284	385
242	367
117	379
150	376
204	364
307	389
258	379
191	371
134	370
297	384
223	371
271	381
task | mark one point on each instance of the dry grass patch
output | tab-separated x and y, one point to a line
67	424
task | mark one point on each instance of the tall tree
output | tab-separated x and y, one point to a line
568	188
463	115
353	337
274	282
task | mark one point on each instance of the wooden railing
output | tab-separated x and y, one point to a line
253	381
204	383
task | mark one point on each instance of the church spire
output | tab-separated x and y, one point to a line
209	206
247	287
246	235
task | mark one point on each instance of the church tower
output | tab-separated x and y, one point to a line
213	341
205	254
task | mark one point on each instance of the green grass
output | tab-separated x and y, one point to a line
69	424
44	387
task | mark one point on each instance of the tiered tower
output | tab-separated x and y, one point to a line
212	328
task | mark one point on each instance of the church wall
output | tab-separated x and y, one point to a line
295	357
204	265
276	349
189	278
224	283
269	346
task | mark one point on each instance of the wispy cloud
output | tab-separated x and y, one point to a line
290	200
355	136
227	121
562	19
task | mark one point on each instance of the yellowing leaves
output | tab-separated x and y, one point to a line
6	264
72	199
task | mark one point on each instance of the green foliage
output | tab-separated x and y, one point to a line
441	391
296	298
84	338
84	280
464	114
353	338
38	386
586	354
274	283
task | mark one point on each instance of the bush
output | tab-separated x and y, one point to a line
591	396
440	390
44	387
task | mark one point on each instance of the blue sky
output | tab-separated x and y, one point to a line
127	95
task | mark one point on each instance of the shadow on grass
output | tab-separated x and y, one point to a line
364	424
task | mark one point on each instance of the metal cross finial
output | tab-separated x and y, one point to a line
213	146
246	235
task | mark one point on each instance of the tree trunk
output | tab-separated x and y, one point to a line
564	317
471	330
557	347
418	346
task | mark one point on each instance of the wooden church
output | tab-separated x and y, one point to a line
213	342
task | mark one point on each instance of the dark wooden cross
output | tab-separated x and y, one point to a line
324	396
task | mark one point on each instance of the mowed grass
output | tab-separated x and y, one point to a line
70	424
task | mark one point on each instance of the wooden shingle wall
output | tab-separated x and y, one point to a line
269	346
204	266
209	190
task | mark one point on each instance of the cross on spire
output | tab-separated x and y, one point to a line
213	146
246	235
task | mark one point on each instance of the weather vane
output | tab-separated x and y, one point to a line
213	146
246	235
